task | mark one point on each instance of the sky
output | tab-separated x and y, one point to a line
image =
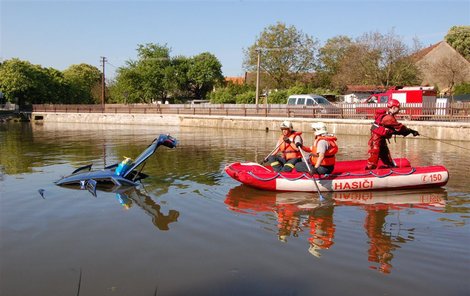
59	34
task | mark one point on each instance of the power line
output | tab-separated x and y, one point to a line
107	62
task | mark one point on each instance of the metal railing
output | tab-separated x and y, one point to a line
435	112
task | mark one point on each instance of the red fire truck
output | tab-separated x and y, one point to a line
416	101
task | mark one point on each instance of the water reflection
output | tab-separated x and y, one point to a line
378	205
301	212
130	196
145	202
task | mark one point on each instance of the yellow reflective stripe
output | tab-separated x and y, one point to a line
275	163
289	165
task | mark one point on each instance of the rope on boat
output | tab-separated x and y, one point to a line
404	174
392	172
370	173
380	176
264	179
297	178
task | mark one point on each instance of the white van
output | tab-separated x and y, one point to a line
306	100
313	100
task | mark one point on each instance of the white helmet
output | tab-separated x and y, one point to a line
319	128
313	249
286	124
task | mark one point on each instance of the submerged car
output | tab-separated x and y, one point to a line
126	173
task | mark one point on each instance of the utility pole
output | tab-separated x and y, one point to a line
258	50
103	83
257	77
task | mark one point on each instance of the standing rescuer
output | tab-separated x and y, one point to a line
287	146
322	153
385	125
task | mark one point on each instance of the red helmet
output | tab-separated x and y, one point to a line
393	103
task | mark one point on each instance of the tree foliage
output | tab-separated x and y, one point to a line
377	59
143	80
85	83
330	57
156	76
278	97
248	97
204	71
233	93
284	53
459	38
462	88
24	83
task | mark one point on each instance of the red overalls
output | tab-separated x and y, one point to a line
384	126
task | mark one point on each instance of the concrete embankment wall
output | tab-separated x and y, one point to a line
459	131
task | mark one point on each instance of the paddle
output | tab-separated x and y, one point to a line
310	171
266	158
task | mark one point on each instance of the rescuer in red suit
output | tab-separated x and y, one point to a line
385	125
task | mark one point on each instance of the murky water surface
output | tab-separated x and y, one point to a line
191	230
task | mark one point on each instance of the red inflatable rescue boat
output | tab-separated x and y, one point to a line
347	176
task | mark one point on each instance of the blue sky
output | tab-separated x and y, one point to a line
62	33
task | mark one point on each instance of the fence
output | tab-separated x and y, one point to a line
435	112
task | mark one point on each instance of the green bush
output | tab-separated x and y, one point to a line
278	97
247	97
299	89
222	96
462	89
229	94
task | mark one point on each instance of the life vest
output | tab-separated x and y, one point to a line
289	152
377	126
330	158
322	231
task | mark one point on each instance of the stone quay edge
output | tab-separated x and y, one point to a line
456	131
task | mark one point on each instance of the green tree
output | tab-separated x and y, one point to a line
459	38
143	80
204	72
57	88
330	57
157	76
85	83
127	86
285	53
177	81
24	83
153	60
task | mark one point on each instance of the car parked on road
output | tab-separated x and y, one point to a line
321	103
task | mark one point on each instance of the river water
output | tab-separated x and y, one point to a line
189	229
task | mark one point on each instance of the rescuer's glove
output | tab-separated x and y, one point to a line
414	133
314	171
287	140
298	144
